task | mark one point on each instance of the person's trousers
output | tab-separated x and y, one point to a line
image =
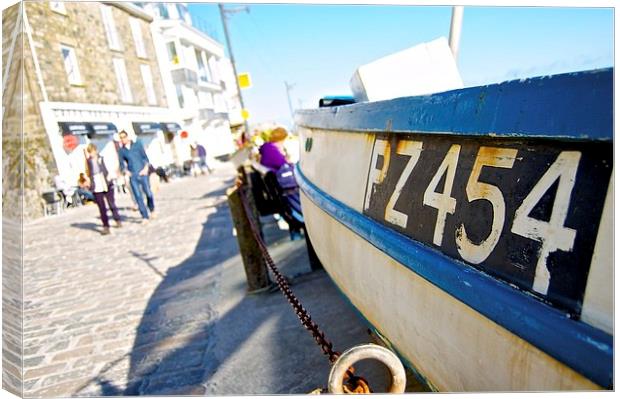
139	185
100	199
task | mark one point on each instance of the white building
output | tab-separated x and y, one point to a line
193	66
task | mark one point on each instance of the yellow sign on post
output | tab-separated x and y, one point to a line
244	81
245	114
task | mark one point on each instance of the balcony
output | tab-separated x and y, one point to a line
205	84
184	76
188	77
208	114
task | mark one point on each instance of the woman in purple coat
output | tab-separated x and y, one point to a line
272	152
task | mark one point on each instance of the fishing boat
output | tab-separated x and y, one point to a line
473	228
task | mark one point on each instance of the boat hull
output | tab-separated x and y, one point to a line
453	347
473	229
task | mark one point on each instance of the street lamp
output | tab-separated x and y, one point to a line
223	14
289	86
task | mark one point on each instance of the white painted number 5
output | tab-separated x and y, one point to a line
496	158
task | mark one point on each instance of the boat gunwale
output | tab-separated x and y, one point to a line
570	106
582	347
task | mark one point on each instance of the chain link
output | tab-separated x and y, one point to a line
302	313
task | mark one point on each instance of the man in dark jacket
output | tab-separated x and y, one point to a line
135	164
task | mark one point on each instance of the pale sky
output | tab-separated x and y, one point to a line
317	47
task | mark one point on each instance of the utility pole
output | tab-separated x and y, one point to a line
223	13
455	30
289	86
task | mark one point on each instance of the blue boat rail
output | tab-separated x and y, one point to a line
575	106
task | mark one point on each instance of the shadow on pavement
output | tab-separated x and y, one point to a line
195	338
87	226
144	258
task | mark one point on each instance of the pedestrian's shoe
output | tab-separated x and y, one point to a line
105	231
152	215
118	223
144	221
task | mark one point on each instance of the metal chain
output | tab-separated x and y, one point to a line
302	313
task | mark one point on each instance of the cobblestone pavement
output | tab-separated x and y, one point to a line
92	317
162	307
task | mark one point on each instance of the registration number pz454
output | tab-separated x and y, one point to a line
526	212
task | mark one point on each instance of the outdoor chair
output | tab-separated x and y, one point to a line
54	202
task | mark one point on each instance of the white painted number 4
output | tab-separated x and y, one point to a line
443	202
552	234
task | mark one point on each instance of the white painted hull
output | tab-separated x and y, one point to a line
450	335
454	347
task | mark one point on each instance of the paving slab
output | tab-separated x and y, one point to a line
163	308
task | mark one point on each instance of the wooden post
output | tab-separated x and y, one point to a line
255	268
315	262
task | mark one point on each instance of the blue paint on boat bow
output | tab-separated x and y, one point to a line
574	105
581	347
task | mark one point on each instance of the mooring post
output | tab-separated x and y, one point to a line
253	262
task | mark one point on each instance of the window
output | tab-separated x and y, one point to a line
110	28
173	11
148	84
71	64
205	100
136	32
203	70
214	70
59	7
220	104
162	11
183	14
172	53
180	96
122	80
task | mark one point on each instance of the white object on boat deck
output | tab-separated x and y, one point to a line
422	69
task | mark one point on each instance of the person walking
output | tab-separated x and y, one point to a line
135	164
101	187
202	158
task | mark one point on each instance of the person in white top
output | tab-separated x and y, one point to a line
101	187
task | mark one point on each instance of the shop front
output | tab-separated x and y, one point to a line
177	143
151	135
72	126
75	138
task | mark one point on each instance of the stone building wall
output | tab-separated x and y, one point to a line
12	161
82	28
39	164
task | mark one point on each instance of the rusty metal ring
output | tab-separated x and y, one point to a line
367	351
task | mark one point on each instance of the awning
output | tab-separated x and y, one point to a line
146	127
103	128
170	127
75	128
89	129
